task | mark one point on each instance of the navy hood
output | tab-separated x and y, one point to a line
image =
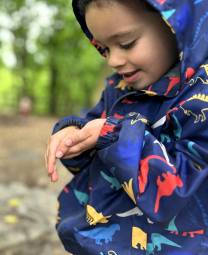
188	19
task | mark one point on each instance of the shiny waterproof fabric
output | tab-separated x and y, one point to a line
144	189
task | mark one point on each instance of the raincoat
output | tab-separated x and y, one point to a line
144	188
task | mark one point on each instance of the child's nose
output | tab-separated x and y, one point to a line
116	59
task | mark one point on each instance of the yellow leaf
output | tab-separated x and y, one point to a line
14	202
10	219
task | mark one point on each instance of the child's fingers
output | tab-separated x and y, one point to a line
51	156
81	147
54	176
64	149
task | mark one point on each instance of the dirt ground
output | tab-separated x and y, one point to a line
22	145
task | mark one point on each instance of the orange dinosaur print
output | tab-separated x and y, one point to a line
166	187
144	170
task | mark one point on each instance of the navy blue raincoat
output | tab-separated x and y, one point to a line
144	189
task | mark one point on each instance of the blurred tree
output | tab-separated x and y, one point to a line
54	63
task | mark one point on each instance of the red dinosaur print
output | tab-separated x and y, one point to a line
111	82
166	187
127	101
107	129
144	170
103	115
174	109
118	116
161	1
173	81
189	73
192	234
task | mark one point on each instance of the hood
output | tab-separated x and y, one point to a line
188	19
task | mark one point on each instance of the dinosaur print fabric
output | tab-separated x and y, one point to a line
143	191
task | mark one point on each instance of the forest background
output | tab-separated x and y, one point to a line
45	58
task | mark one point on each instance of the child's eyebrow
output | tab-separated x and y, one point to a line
119	35
122	34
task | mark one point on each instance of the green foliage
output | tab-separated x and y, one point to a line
57	68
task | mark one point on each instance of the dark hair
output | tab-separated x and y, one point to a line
83	4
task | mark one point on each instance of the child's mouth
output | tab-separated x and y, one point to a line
131	77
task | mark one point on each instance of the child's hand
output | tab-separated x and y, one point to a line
52	148
71	142
84	139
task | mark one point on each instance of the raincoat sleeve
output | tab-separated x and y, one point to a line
79	162
159	174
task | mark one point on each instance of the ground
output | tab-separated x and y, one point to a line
22	146
23	143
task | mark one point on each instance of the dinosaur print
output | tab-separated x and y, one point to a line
144	170
100	233
173	82
81	196
134	211
107	128
112	180
171	226
205	68
192	150
164	152
139	237
93	217
198	116
122	85
161	1
191	234
118	116
129	189
166	187
178	130
137	118
157	241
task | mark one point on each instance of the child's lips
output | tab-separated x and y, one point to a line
131	77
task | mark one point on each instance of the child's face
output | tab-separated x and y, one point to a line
139	45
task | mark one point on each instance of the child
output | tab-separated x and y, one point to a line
141	155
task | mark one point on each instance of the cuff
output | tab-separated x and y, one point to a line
109	133
69	121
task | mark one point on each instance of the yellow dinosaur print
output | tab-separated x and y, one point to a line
150	93
139	237
201	97
137	117
205	68
129	190
93	217
122	85
201	114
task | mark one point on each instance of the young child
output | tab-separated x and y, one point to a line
140	157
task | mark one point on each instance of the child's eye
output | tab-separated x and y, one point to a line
127	46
